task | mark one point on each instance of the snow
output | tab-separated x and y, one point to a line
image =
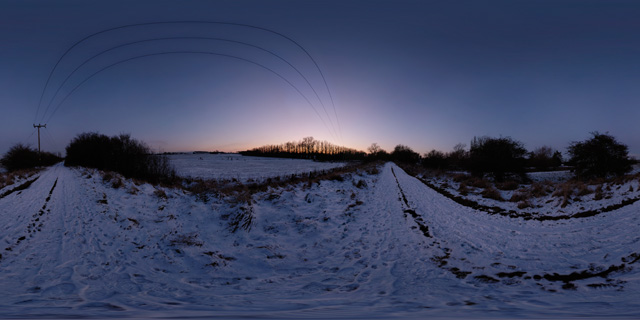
230	166
77	247
552	204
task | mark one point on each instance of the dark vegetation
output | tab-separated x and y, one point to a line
21	157
497	156
404	154
308	148
599	157
122	154
504	158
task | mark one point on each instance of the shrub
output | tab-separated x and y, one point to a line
435	159
496	156
376	153
601	156
23	157
544	158
122	154
404	154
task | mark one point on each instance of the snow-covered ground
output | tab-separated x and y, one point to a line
386	247
241	168
556	195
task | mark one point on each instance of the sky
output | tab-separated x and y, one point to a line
426	74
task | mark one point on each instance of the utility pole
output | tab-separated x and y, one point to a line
39	126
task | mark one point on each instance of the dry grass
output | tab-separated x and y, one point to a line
540	189
565	191
361	184
9	178
460	177
242	193
479	183
160	194
471	181
520	195
133	190
524	204
599	194
508	185
463	189
189	240
583	190
492	193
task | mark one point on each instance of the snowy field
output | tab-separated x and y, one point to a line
584	197
241	168
373	246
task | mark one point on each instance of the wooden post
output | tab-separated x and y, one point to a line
39	126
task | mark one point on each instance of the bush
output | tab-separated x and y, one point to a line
599	157
122	154
544	158
497	156
435	160
404	154
376	153
22	157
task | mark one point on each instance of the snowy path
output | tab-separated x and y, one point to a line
380	245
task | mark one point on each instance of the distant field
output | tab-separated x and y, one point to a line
235	166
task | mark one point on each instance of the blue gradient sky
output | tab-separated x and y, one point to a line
427	74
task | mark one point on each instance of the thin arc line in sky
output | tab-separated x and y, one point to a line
188	38
31	135
189	52
190	22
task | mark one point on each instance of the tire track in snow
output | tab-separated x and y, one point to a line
416	217
35	224
519	274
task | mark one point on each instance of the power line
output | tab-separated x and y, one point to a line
189	22
189	38
29	137
188	52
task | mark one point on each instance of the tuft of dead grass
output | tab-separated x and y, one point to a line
492	193
479	183
160	193
463	189
189	240
9	178
524	204
599	194
583	190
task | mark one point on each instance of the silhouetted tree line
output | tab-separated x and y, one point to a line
23	157
600	156
308	148
122	154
